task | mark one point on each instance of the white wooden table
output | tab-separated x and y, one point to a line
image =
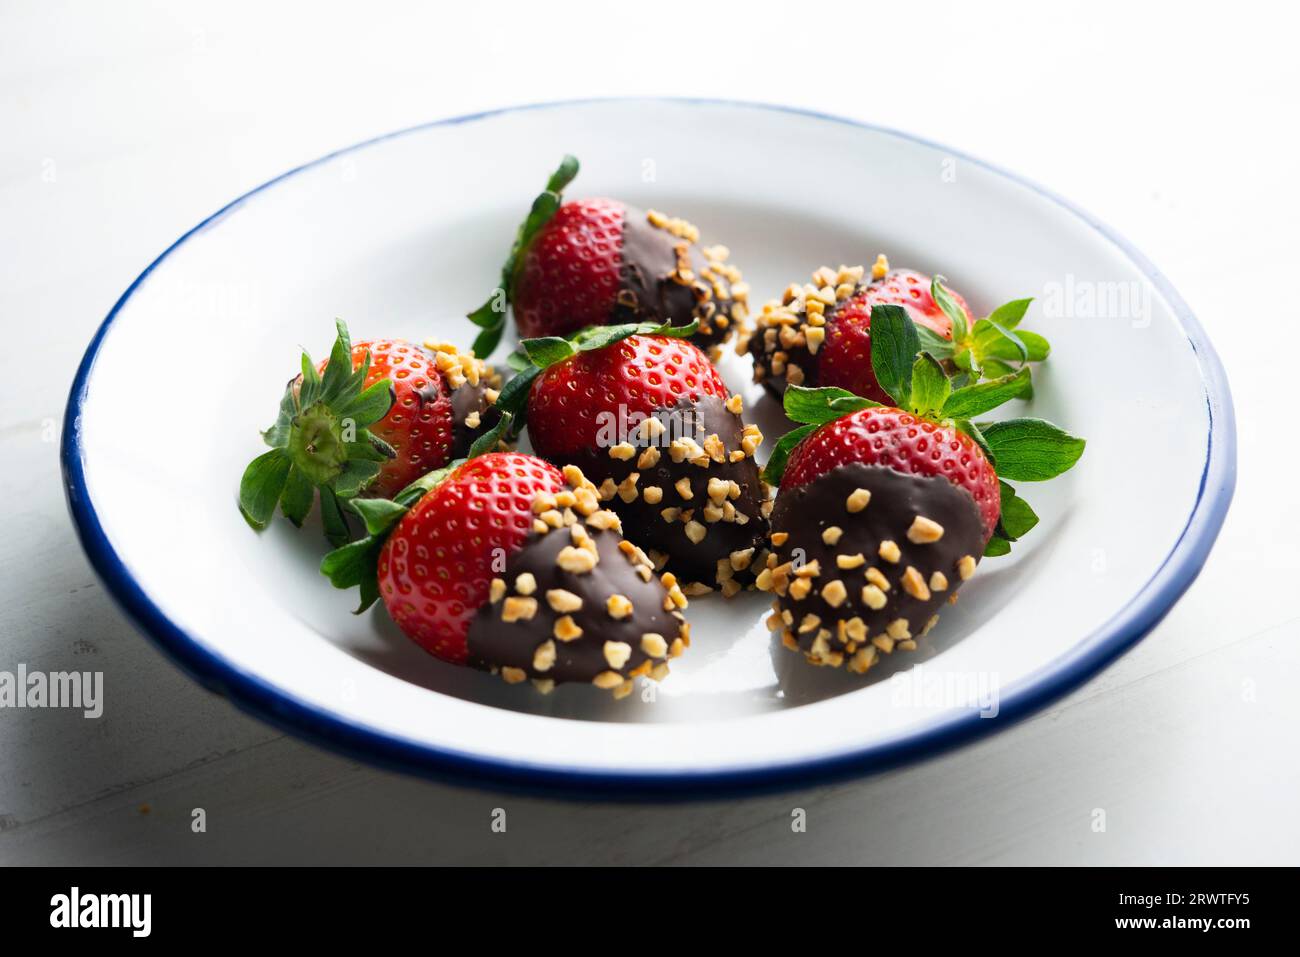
123	125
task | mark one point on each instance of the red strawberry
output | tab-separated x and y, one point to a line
906	443
594	262
883	512
844	359
374	417
820	334
649	419
510	566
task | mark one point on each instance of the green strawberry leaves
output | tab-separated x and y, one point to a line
320	441
491	316
1031	450
988	347
982	397
775	468
356	564
894	345
931	387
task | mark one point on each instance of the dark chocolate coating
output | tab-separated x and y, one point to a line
765	342
495	644
649	293
643	522
464	401
806	511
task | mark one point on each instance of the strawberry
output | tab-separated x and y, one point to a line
648	418
820	334
593	262
369	420
884	511
507	564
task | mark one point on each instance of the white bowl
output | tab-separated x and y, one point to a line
403	234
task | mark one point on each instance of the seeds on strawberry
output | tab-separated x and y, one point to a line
592	262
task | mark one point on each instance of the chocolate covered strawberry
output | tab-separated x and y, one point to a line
819	334
592	262
369	420
507	564
650	421
884	511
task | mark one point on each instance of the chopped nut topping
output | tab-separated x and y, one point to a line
617	653
496	591
834	593
676	648
832	535
576	560
695	531
605	519
562	601
654	645
924	531
851	561
618	606
815	336
809	569
653	494
683	486
873	597
627	489
938	582
740	559
862	661
858	500
623	451
780	538
513	676
898	629
566	629
965	567
880	267
649	458
809	623
544	656
607	680
876	578
526	584
800	588
884	643
889	551
518	609
735	404
914	584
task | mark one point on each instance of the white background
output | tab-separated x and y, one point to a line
123	125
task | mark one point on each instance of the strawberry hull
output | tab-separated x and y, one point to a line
863	560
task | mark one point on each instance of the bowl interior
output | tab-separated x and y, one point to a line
402	236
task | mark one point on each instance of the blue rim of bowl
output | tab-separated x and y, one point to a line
261	698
